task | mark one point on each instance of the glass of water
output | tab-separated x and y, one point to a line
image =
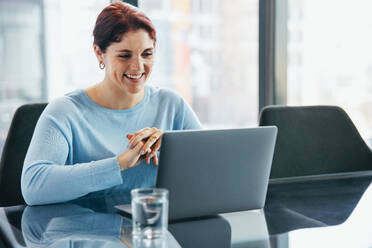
149	213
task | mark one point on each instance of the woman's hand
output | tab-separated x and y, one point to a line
151	137
131	157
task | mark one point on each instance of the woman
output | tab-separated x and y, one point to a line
109	134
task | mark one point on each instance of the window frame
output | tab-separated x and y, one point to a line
273	33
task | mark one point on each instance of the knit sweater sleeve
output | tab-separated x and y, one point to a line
47	178
186	117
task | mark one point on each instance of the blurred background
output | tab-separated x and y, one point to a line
207	50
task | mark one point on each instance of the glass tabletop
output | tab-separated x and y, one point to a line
314	213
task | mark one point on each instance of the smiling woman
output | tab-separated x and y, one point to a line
99	138
124	43
128	64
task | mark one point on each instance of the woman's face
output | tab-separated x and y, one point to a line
129	62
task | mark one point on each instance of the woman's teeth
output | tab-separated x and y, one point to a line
133	76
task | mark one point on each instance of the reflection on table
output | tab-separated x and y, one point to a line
317	213
70	225
356	231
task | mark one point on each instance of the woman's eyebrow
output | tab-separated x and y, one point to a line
129	51
124	50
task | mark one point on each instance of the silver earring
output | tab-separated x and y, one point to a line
101	65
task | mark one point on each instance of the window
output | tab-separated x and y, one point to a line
207	50
71	60
329	57
22	70
45	51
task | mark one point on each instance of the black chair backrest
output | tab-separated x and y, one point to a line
14	152
314	140
14	217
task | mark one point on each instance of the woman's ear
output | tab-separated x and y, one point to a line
98	52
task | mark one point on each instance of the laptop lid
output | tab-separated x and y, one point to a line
215	171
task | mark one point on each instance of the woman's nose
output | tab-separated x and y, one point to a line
137	64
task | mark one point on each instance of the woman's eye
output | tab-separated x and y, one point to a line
126	56
147	54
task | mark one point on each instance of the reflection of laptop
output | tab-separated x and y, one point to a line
215	171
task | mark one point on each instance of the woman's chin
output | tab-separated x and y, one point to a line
135	88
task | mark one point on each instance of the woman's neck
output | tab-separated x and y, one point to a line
109	96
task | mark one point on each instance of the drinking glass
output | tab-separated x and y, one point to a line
149	213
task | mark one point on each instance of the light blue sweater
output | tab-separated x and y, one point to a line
76	142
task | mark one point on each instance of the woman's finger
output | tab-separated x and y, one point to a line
148	157
129	136
140	135
155	159
157	145
151	141
133	137
133	155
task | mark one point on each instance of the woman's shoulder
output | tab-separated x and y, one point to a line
163	93
63	105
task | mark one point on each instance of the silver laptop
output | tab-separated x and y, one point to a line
209	172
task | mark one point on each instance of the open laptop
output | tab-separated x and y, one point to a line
209	172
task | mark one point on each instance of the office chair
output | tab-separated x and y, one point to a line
314	140
14	151
14	236
3	243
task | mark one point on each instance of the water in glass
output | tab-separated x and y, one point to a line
149	216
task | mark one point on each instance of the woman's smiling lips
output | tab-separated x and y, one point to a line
134	77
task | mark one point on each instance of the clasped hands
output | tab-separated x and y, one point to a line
143	145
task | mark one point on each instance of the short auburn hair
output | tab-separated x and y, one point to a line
117	19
